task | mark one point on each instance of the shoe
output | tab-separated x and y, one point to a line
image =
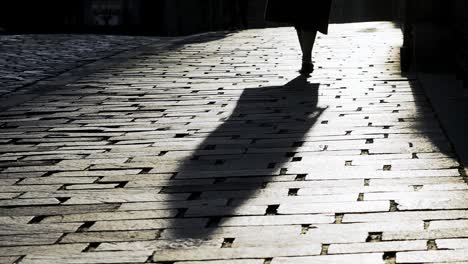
307	68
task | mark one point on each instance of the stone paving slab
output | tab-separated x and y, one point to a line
213	150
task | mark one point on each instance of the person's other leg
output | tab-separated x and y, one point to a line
244	7
234	14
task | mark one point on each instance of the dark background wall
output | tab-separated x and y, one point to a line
436	36
49	16
164	17
366	10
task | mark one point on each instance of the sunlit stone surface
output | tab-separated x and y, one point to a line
213	150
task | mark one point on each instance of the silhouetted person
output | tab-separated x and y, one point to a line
308	17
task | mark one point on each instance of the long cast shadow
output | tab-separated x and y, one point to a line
232	164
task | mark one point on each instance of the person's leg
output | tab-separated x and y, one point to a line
299	37
307	39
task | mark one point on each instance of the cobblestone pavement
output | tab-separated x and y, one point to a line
215	151
26	59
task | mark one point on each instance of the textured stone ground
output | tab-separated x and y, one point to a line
26	59
215	151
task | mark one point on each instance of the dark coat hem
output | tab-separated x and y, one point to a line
306	14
